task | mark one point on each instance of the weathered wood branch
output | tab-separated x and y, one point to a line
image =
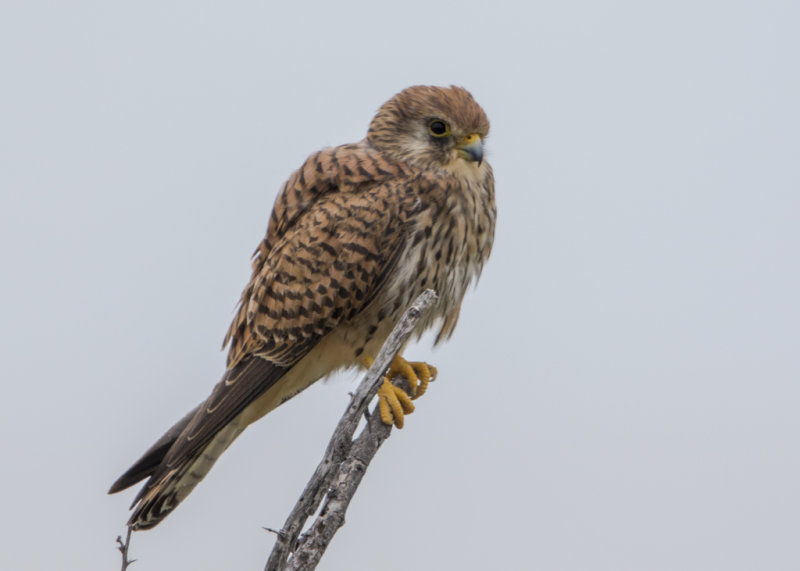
338	475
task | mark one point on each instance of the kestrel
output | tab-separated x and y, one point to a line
355	235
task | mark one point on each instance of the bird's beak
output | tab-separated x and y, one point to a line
471	148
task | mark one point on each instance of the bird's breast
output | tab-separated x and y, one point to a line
448	247
449	239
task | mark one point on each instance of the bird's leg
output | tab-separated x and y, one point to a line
393	402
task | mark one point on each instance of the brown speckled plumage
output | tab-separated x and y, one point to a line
355	235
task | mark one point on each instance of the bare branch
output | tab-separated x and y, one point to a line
123	548
338	475
312	544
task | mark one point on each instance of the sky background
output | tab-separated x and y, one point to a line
622	391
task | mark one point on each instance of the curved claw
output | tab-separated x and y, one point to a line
417	373
393	403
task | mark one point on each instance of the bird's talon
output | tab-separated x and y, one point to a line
393	403
417	373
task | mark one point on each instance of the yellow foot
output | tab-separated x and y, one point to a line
394	403
417	373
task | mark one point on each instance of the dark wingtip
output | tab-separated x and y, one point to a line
117	486
150	460
144	468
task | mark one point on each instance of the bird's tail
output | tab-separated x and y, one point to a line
182	457
158	497
166	489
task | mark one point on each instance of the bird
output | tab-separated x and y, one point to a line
355	235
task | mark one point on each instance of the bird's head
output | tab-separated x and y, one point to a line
431	126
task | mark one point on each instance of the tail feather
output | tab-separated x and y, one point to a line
165	491
177	462
151	460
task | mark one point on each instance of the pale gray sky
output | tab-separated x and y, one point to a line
622	392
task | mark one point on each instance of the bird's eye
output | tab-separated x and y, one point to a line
438	128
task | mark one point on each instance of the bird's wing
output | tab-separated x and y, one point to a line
326	268
326	212
327	253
